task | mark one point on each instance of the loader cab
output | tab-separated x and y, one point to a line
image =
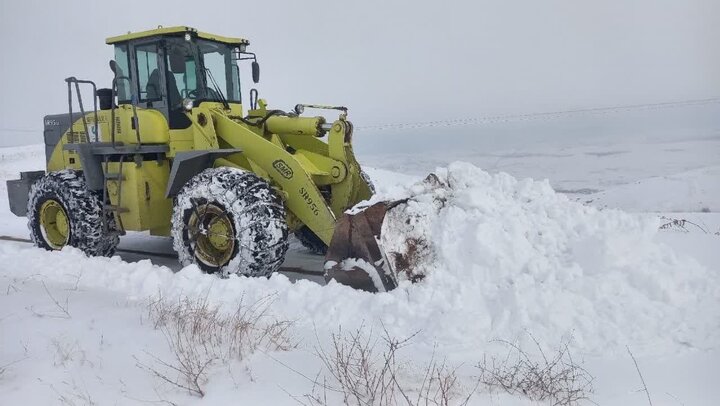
175	69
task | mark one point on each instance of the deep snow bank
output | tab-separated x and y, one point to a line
505	256
514	254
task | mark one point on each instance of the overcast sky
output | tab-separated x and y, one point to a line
389	61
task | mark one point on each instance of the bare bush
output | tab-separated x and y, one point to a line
642	379
72	394
557	379
441	386
364	378
679	225
5	367
67	352
61	311
200	335
366	370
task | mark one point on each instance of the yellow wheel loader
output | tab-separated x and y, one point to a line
171	149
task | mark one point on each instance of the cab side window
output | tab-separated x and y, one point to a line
123	73
148	74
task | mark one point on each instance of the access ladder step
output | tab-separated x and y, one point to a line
112	207
114	176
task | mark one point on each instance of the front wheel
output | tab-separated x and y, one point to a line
231	221
311	241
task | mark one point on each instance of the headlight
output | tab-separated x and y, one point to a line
188	37
187	104
299	108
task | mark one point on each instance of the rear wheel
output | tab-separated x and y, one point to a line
63	211
231	221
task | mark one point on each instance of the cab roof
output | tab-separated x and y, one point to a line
175	30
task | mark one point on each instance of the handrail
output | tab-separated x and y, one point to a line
77	82
112	110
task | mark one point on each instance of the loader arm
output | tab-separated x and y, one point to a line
301	195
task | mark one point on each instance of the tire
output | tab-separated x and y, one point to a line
230	221
310	241
63	211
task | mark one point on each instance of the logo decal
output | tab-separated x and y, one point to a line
309	201
283	168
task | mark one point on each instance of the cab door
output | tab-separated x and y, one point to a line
141	91
149	82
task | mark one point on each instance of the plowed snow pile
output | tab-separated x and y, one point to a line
503	257
500	255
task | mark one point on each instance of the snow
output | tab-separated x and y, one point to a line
507	256
695	190
513	252
358	263
572	166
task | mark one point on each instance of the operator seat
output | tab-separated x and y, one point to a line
177	119
153	89
174	98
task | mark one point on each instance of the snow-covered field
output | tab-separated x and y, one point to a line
601	267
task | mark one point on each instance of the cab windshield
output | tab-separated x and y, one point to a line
202	70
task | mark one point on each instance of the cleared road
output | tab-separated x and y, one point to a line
134	247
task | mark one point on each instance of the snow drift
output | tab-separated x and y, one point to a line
499	256
512	254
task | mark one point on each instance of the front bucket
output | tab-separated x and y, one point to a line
355	257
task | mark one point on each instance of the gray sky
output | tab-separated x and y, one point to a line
389	61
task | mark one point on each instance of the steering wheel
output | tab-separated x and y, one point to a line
209	92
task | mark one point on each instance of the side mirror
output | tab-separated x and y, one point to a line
113	66
255	72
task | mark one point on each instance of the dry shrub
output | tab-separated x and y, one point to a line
363	377
365	370
67	352
679	225
201	335
557	379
